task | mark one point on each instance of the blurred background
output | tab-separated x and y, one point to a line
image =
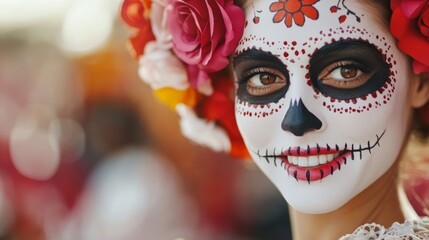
87	153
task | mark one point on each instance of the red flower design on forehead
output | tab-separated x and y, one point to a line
294	11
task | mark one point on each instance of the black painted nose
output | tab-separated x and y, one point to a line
299	120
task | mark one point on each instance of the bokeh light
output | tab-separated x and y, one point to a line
34	149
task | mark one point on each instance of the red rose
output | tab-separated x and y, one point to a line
135	12
410	25
424	22
205	32
219	107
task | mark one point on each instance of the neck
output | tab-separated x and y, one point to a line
379	203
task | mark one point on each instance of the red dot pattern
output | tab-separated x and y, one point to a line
293	52
247	109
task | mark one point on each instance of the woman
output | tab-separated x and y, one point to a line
324	100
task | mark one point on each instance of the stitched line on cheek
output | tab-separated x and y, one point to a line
369	146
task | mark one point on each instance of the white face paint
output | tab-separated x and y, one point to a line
322	107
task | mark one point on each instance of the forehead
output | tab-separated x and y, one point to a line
310	23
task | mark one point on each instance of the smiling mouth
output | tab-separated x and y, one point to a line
314	167
315	163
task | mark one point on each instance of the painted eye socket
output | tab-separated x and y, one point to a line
262	78
344	75
264	81
348	69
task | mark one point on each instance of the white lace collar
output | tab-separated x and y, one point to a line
410	230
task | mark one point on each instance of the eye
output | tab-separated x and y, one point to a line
344	75
264	81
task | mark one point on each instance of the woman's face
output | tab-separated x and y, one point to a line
321	98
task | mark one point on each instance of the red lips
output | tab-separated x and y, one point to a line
313	164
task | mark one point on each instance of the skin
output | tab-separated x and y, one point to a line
305	88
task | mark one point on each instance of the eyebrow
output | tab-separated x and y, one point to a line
257	55
349	48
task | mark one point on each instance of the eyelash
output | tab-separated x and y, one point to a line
342	64
363	75
255	71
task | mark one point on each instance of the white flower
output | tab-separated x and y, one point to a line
160	68
201	131
159	23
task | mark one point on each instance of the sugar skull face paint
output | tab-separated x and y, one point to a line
322	98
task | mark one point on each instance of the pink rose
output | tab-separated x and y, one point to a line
205	32
410	25
199	79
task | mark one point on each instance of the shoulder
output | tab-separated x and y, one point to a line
411	229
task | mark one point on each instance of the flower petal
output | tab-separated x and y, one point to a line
424	24
233	17
196	76
172	97
419	67
394	4
416	46
309	2
280	15
288	20
399	24
138	42
310	12
277	6
159	23
412	9
299	18
160	68
133	12
201	131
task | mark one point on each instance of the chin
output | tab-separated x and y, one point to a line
332	192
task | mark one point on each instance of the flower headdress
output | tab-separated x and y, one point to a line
183	48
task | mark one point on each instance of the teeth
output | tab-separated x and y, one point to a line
295	160
312	161
323	159
303	161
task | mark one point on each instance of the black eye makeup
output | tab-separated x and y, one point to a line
261	77
348	69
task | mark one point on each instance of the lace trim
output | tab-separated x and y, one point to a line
410	230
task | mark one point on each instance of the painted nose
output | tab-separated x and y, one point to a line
299	120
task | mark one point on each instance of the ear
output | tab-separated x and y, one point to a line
420	90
